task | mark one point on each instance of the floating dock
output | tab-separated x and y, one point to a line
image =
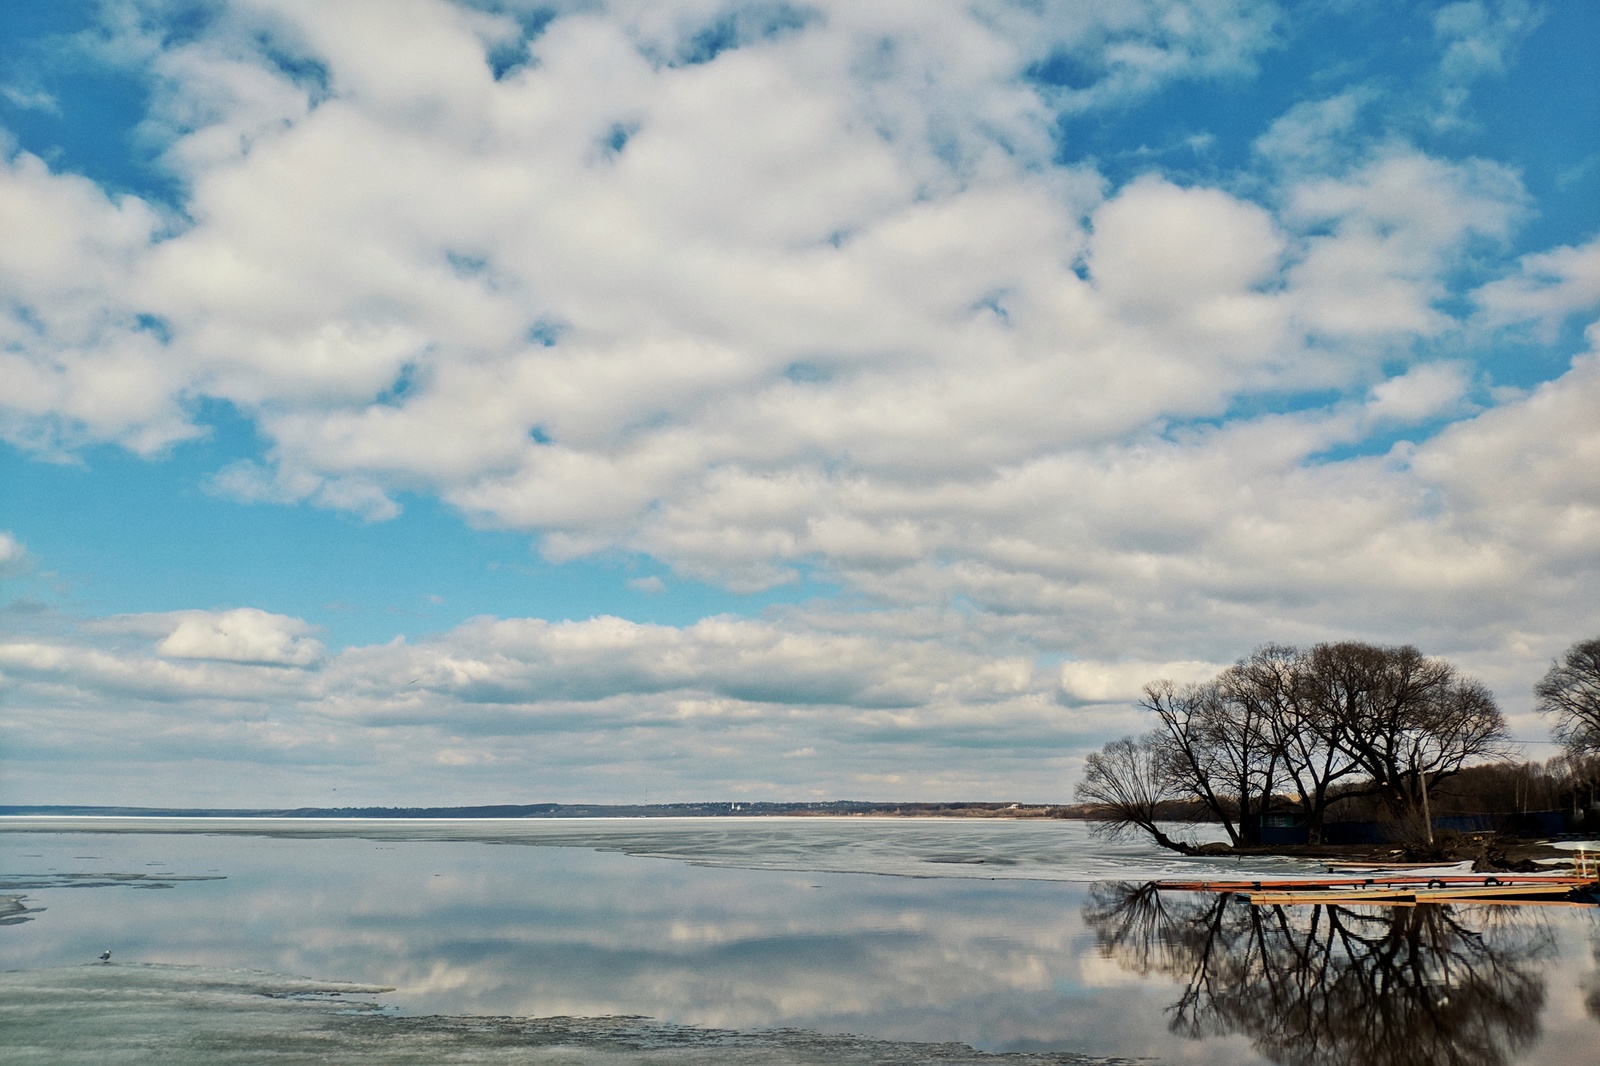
1402	889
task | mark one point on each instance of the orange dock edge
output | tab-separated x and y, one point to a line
1401	889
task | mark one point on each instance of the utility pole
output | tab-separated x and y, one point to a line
1427	816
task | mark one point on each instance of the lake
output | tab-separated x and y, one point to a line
724	940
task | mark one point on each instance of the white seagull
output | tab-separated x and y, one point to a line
105	956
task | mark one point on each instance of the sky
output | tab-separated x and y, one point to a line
425	402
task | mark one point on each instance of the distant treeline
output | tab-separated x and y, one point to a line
708	809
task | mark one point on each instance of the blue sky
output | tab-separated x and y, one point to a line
125	535
500	401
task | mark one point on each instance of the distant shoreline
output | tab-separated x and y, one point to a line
722	809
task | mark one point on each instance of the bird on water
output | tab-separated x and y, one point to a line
105	956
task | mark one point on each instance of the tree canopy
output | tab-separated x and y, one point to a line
1384	721
1570	692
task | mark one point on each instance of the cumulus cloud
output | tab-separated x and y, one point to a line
242	635
521	664
715	247
1395	225
1523	477
1423	392
1163	250
79	362
530	661
1098	682
1545	289
724	703
759	291
628	276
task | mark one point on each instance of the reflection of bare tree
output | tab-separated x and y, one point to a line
1591	980
1389	986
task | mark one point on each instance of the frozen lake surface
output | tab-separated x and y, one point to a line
738	941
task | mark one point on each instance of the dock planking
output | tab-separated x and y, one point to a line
1401	889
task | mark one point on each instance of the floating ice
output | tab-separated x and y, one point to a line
912	847
191	1014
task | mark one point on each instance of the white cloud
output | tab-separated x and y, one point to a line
1130	49
30	99
1478	40
712	222
242	635
1159	249
587	708
248	482
1319	136
519	665
529	661
1546	288
13	554
1098	682
828	302
1523	476
78	362
1397	223
1423	392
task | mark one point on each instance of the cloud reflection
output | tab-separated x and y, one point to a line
477	928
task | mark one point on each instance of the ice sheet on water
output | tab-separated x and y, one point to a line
103	879
14	910
113	1013
914	847
182	1014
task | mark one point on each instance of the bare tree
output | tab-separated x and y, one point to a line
1126	781
1304	720
1570	690
1299	698
1414	722
1218	750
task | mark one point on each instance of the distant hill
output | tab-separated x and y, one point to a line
710	809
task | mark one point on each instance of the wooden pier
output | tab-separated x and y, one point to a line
1405	889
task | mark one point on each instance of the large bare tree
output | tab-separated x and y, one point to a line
1570	691
1218	750
1300	697
1391	720
1415	722
1128	784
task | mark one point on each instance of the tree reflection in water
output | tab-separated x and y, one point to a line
1591	981
1389	986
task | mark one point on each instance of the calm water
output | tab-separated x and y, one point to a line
738	941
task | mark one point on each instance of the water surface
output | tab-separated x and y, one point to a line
723	940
